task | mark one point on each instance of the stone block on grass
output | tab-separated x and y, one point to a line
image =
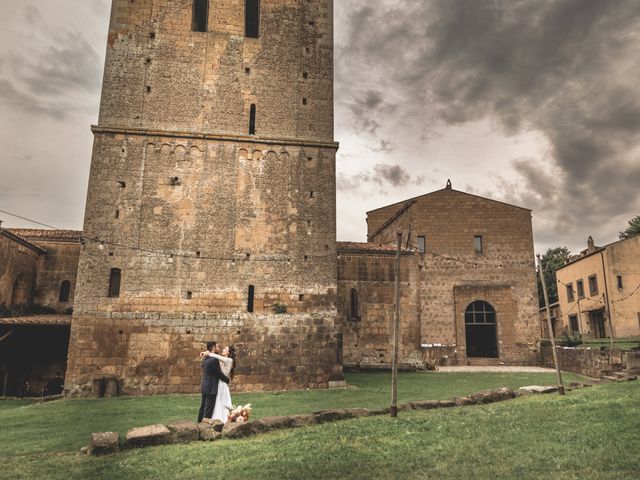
332	415
277	423
359	412
241	430
538	389
184	431
463	401
304	420
208	432
148	436
490	396
425	404
104	443
446	403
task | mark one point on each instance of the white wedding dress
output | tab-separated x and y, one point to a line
223	399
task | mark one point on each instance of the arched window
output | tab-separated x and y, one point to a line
252	18
65	290
354	307
250	297
480	312
114	282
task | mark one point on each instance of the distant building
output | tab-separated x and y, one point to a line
599	290
38	271
468	283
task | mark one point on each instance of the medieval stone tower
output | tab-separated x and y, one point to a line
211	200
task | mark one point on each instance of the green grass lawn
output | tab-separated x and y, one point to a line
589	433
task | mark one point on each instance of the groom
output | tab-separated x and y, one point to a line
211	374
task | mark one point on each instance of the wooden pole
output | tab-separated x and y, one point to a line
551	335
396	332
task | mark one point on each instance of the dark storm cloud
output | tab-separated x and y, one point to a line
368	108
568	69
382	175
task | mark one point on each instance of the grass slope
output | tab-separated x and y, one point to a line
65	425
588	434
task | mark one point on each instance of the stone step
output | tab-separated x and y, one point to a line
619	374
484	362
609	378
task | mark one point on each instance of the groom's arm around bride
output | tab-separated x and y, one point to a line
211	374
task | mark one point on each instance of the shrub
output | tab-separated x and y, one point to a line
279	308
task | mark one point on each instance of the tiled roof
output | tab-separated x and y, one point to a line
37	320
367	247
44	235
21	240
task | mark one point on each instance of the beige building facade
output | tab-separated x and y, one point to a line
599	290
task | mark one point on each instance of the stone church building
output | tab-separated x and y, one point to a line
468	284
210	213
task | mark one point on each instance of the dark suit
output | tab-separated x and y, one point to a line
211	374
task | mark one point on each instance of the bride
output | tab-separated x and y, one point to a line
223	399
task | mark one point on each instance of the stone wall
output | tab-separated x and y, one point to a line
18	265
452	274
158	353
196	212
162	76
368	336
59	264
585	361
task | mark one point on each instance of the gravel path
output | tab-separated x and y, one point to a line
496	368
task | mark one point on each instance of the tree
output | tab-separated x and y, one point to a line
632	230
553	259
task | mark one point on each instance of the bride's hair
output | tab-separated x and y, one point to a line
232	355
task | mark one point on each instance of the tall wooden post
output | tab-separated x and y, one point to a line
551	335
396	333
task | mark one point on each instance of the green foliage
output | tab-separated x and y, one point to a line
632	230
279	308
25	310
586	434
553	259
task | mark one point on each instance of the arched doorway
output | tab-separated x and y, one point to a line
480	327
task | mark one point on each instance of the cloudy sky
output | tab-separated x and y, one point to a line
536	103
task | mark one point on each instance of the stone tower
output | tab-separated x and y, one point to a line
211	200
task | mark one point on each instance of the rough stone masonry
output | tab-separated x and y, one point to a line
211	199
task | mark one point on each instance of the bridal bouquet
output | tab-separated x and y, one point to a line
240	413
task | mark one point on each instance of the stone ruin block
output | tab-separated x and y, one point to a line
148	436
209	431
104	443
184	431
490	396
